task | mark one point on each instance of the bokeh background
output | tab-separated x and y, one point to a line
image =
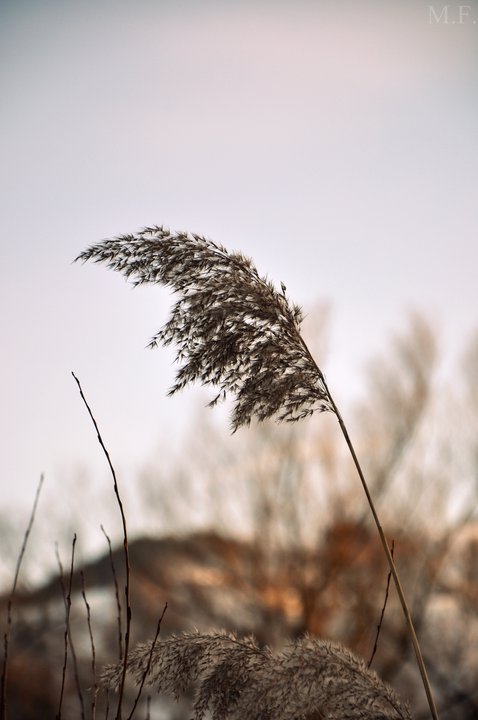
334	142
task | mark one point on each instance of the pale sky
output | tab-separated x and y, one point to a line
334	142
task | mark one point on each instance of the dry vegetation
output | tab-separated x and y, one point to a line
308	566
235	678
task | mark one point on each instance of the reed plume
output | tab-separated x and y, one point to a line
235	679
232	328
235	331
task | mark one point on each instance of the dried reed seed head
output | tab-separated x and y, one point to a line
234	679
232	328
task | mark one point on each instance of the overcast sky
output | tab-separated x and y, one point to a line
334	142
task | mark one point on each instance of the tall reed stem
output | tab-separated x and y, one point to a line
391	562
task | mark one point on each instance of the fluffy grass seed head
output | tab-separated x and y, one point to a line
234	679
232	328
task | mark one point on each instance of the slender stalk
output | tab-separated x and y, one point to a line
6	637
92	645
118	603
382	614
148	664
67	633
127	590
391	562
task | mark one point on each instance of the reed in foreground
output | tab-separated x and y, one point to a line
236	332
235	679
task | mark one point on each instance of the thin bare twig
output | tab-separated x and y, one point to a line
92	644
148	664
6	637
382	614
76	673
118	602
126	551
67	636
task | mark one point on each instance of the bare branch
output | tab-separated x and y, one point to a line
92	645
67	634
6	637
148	664
125	547
382	614
117	597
